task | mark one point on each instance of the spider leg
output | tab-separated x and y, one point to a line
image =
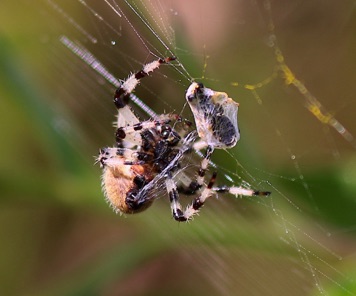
110	156
173	194
199	145
122	94
235	190
204	165
176	207
194	186
196	204
160	124
123	132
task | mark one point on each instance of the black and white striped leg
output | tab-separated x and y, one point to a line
123	132
113	157
239	191
204	165
194	186
122	94
160	123
199	201
173	194
196	204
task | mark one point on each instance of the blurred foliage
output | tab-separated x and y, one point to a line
60	238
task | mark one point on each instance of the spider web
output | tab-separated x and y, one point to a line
288	65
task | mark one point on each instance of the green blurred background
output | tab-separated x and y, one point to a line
59	237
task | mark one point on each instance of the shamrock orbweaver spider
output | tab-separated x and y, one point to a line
150	153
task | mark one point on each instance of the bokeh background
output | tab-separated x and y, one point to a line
59	237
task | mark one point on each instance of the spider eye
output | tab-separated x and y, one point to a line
165	135
165	131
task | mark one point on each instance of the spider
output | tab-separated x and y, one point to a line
150	153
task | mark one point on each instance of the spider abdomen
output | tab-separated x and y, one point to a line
121	189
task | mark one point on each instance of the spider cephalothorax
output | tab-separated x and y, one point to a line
149	153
